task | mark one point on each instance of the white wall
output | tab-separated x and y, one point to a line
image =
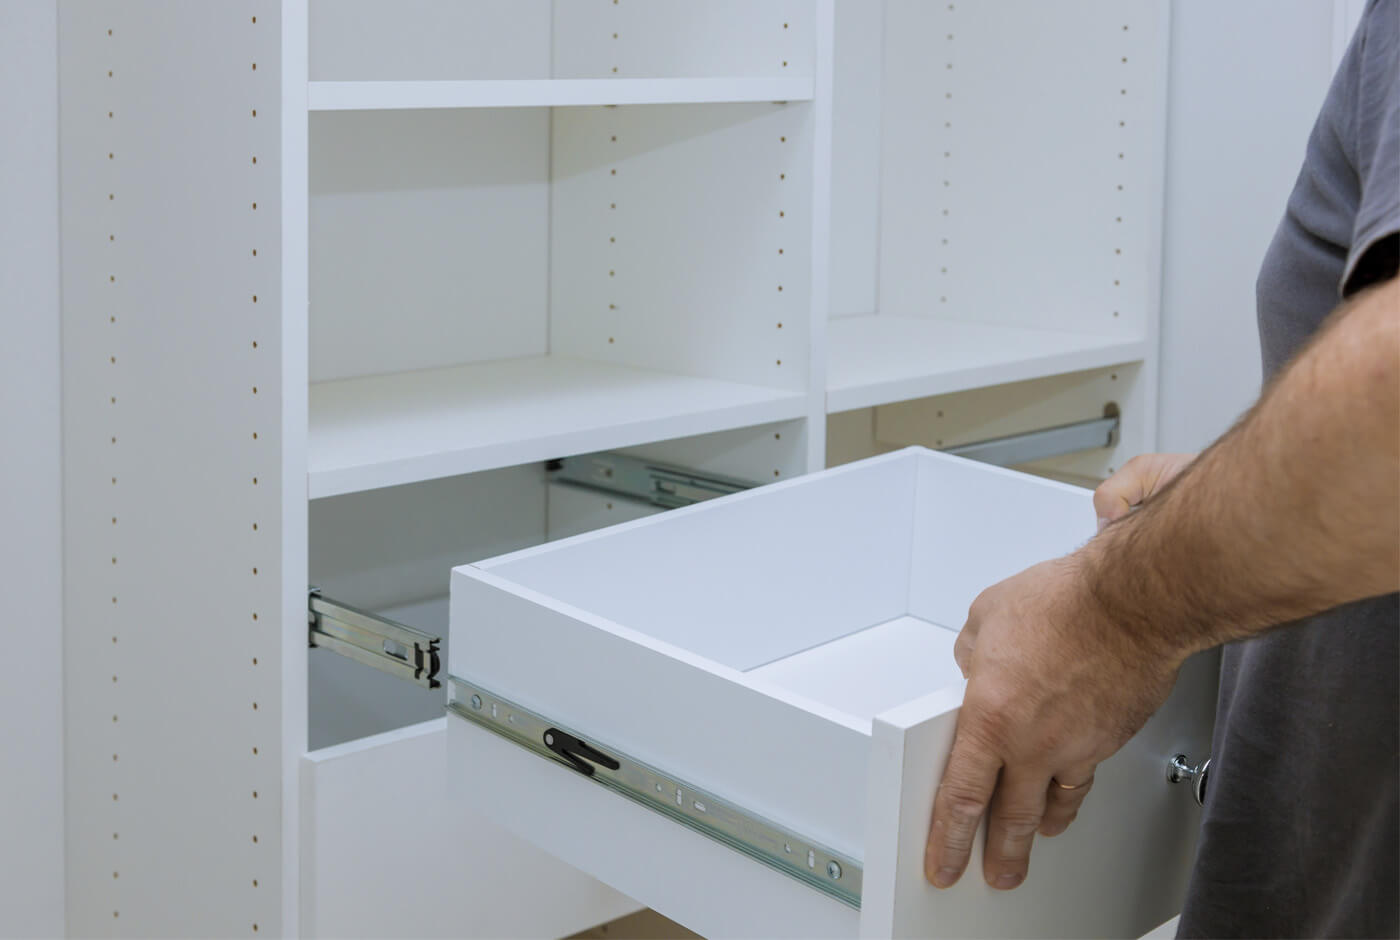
31	692
1247	79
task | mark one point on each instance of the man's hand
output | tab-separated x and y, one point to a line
1296	510
1054	687
1140	478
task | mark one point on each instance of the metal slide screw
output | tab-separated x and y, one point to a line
476	702
549	740
834	870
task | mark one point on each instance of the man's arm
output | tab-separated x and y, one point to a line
1293	512
1296	510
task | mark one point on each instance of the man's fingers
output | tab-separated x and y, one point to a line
1062	804
958	807
1117	495
1138	479
1016	812
962	650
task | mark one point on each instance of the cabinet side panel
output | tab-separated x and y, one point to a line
173	466
1021	174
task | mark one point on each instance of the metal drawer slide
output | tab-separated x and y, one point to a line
664	485
828	871
375	641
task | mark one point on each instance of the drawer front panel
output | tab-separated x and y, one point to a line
389	851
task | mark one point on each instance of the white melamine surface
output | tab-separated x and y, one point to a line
631	637
691	879
31	498
680	239
872	670
429	239
385	430
880	359
391	40
749	579
682	38
551	93
672	609
1016	136
1118	871
176	472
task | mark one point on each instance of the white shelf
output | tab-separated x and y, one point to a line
878	359
391	429
551	93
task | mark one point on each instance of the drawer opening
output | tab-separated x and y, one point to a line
390	551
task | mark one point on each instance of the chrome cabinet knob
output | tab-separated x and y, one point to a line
1180	770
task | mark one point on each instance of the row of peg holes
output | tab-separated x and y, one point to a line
612	239
112	319
1118	219
112	360
254	659
615	37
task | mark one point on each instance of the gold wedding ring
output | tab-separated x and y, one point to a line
1064	786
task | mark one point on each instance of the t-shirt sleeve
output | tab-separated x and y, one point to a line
1374	255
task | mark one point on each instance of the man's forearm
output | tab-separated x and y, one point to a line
1294	511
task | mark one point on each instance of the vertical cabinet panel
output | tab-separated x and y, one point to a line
173	467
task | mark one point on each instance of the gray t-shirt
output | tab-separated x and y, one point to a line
1301	830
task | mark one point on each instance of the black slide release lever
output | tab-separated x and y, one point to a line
577	752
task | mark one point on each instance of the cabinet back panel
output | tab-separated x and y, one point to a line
1017	135
682	38
388	40
681	239
397	545
429	239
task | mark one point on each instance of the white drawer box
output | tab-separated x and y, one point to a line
786	655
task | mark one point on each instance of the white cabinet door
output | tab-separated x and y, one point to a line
766	684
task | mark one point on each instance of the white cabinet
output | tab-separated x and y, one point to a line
776	670
342	277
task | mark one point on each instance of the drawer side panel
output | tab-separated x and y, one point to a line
803	767
689	878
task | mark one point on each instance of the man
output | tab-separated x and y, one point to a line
1281	540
